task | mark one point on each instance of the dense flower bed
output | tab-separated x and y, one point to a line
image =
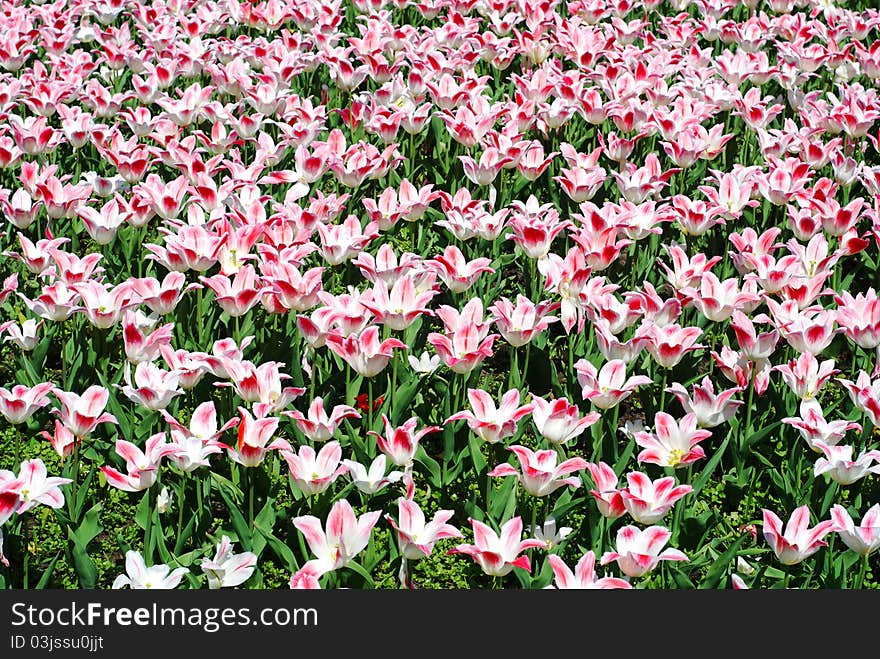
439	294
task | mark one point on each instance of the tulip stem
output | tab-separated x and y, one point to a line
860	578
148	525
663	390
74	483
370	402
603	527
181	498
749	405
514	375
18	440
535	502
403	575
251	484
25	549
200	320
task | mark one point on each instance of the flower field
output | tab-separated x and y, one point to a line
440	294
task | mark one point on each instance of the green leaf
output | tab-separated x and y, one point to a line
85	568
477	457
719	567
504	500
47	573
755	437
114	408
185	534
361	571
681	579
82	493
402	398
433	467
90	526
239	523
710	467
281	550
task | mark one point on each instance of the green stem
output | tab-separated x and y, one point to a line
181	501
251	488
26	550
514	375
370	402
749	405
663	390
863	569
200	318
148	526
535	502
74	483
614	428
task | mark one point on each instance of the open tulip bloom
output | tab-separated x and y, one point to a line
673	443
156	577
498	554
416	536
345	537
227	569
798	541
540	474
584	575
638	551
863	539
412	262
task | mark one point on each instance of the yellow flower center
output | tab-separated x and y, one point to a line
676	455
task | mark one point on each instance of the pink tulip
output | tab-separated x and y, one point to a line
607	387
638	551
673	443
521	323
364	352
37	487
142	466
313	473
584	575
863	539
798	541
254	437
318	426
415	536
540	474
82	413
400	443
710	408
648	501
496	554
559	421
608	497
345	537
19	404
490	423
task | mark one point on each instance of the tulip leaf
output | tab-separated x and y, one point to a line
239	523
356	567
720	565
431	465
401	399
47	573
710	467
280	549
477	457
90	527
504	500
